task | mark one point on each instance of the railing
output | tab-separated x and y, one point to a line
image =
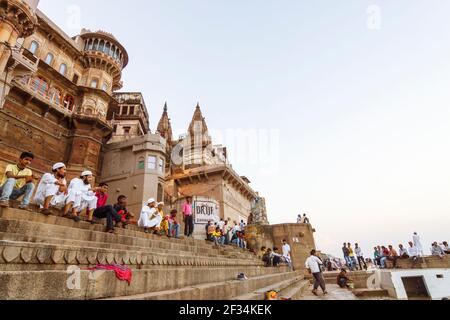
25	57
26	83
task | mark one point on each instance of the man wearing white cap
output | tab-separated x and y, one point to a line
52	190
149	215
83	195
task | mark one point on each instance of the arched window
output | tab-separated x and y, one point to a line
101	46
90	44
111	52
107	47
63	69
49	59
88	111
94	83
69	102
40	85
55	96
105	86
34	46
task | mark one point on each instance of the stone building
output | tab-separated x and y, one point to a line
60	100
56	90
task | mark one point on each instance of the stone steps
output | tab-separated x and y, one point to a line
18	256
36	252
216	290
295	292
280	287
53	285
21	222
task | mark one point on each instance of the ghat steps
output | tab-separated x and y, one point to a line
36	252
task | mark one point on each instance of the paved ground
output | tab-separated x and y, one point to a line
334	293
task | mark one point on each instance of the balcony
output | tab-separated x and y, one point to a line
26	84
24	60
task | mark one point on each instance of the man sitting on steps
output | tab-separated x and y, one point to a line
111	214
83	196
18	181
52	191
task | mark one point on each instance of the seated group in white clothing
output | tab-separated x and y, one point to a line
53	191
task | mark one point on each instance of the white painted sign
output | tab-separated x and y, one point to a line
205	210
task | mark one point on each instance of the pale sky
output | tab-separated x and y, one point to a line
360	101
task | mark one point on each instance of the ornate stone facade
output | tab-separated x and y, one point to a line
56	90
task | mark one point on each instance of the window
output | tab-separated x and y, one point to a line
34	46
49	59
95	47
63	69
126	130
101	46
107	48
55	96
105	87
141	164
115	131
75	78
40	85
152	162
161	165
131	110
124	111
94	83
69	102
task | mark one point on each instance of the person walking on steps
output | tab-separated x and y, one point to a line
314	265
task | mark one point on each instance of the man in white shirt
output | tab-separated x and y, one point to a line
52	191
413	252
314	265
83	195
287	253
148	216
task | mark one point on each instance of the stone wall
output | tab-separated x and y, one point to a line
299	236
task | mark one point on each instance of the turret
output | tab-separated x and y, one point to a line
105	53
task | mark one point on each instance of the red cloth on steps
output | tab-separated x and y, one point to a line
122	273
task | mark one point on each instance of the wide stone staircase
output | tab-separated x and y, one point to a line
47	257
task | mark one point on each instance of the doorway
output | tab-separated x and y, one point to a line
416	288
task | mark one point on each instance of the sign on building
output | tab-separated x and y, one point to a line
206	209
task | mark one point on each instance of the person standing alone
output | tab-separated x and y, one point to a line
188	217
360	256
314	265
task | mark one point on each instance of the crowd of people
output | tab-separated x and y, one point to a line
79	199
225	232
383	254
53	191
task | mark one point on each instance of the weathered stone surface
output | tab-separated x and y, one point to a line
70	257
101	257
110	258
58	256
10	254
82	258
27	254
44	255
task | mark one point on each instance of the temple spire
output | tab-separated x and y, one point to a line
164	125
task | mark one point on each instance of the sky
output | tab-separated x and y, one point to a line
337	109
